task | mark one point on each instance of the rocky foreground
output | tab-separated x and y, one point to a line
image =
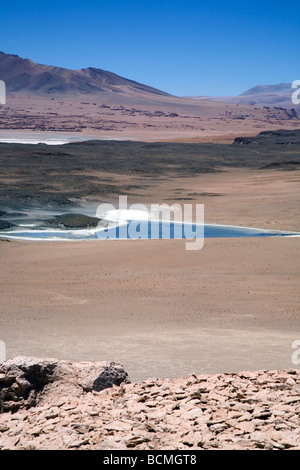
51	404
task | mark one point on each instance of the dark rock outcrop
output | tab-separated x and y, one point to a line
27	381
5	225
288	165
278	137
73	221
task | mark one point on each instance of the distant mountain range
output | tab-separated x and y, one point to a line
25	76
278	95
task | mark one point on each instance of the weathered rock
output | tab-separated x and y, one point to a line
98	377
156	414
26	381
22	380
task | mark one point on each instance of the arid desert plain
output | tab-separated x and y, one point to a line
149	229
158	309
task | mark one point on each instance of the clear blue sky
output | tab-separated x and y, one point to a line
184	47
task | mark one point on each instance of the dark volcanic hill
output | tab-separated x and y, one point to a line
25	76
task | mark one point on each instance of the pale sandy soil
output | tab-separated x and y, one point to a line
158	309
265	199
